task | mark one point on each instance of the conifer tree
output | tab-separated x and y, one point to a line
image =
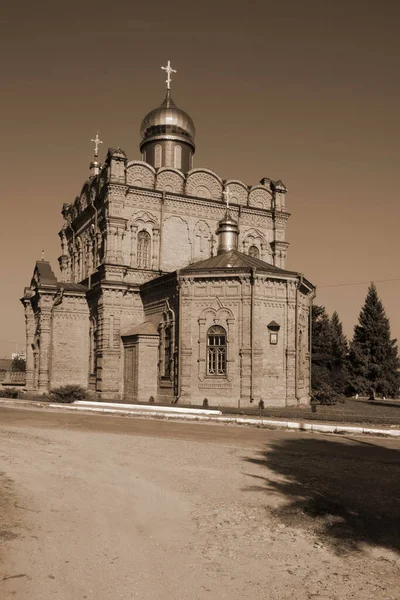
340	350
373	358
322	359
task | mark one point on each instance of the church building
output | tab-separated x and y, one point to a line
173	285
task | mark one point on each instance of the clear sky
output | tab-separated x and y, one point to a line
306	92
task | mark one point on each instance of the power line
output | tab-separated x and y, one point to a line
357	283
8	342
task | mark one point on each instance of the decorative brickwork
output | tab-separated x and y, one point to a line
128	320
238	192
140	174
170	180
260	197
204	184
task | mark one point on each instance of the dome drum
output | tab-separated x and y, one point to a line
167	136
171	152
228	234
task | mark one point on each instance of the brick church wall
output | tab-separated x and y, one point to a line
69	361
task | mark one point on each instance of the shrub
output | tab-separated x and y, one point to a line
68	393
325	394
261	404
205	403
9	393
151	400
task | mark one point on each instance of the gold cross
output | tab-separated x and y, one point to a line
168	70
96	142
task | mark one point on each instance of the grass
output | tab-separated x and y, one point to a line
361	411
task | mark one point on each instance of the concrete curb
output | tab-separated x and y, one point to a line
148	408
265	423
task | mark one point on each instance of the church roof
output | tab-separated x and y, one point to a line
44	273
72	287
145	328
233	259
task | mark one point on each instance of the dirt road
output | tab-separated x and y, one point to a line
102	507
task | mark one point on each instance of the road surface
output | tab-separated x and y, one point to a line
104	507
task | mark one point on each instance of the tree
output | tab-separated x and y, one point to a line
373	359
18	364
340	350
322	357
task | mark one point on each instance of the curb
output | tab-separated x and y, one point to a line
147	408
265	423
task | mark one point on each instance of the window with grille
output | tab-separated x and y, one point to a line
254	252
143	250
216	351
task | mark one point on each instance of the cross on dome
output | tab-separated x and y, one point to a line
226	194
96	142
168	69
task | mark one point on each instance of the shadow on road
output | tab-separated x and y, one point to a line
346	492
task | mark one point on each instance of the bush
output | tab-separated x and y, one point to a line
325	394
68	393
9	393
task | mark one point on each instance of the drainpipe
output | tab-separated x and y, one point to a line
274	226
161	229
95	233
178	389
296	339
252	282
73	244
313	294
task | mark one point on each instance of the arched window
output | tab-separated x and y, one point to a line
254	252
178	156
216	351
143	250
157	156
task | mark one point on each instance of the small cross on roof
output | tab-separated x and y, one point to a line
168	70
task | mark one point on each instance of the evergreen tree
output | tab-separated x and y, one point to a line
373	358
321	357
340	350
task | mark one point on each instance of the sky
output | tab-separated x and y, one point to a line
306	92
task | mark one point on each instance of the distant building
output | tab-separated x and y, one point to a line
173	283
5	364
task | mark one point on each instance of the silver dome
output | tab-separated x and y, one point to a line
168	122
